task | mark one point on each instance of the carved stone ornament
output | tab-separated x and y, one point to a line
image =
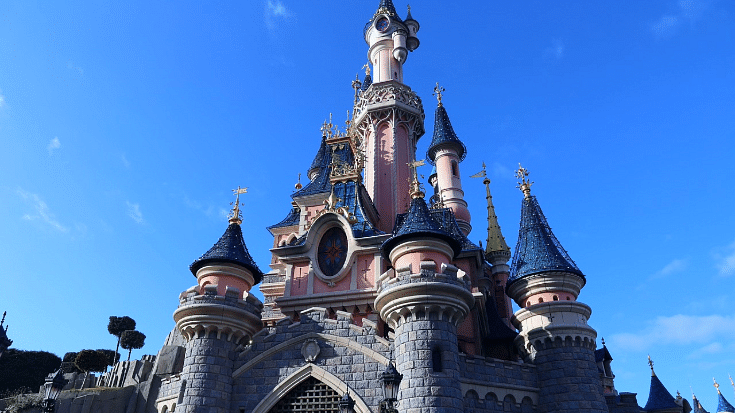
310	350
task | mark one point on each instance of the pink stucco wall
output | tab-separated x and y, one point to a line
341	285
365	271
299	279
548	296
223	281
415	258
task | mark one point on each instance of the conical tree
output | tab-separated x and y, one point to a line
118	325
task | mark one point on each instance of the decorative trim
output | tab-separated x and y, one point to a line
310	370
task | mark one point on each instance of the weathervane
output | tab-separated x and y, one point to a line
438	91
525	184
235	215
415	190
650	363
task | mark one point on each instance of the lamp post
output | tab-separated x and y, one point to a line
55	382
346	404
391	380
5	342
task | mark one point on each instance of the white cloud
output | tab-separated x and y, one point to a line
725	260
674	266
134	212
275	13
709	349
124	160
53	145
2	101
556	50
42	211
687	11
679	329
665	26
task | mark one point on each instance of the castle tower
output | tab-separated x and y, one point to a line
659	399
389	116
552	324
446	152
216	317
424	299
497	253
723	406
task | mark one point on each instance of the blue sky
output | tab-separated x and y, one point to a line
125	126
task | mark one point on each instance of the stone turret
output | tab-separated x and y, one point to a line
216	317
552	324
423	299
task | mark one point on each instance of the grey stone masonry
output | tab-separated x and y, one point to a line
207	374
427	356
335	351
568	377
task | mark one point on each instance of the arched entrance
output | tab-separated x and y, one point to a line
310	395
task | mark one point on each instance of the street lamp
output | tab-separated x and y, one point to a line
391	380
346	404
55	382
5	342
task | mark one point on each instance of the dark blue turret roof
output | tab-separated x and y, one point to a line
538	250
341	152
292	218
697	406
659	397
418	223
229	249
723	405
321	156
366	83
444	136
602	354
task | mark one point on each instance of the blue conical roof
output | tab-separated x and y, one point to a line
229	249
697	406
444	136
659	397
321	156
722	405
538	250
418	223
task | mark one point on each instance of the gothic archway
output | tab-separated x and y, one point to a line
310	395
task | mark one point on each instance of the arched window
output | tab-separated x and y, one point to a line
309	396
556	298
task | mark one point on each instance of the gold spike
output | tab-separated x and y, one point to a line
650	363
524	184
717	386
298	183
496	249
235	215
438	92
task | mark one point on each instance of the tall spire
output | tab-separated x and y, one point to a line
537	250
658	396
444	135
495	247
723	406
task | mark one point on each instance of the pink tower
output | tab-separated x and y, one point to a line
389	116
446	152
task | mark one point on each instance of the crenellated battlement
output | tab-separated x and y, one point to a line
231	317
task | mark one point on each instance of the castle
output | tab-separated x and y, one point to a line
376	300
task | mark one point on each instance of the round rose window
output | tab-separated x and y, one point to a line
332	251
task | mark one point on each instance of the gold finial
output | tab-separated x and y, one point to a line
235	215
416	191
348	122
298	183
731	382
409	8
603	341
650	363
438	92
496	246
324	128
367	68
524	184
717	386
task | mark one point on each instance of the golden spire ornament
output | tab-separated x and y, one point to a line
438	92
717	386
298	183
235	215
650	363
415	189
496	247
524	184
